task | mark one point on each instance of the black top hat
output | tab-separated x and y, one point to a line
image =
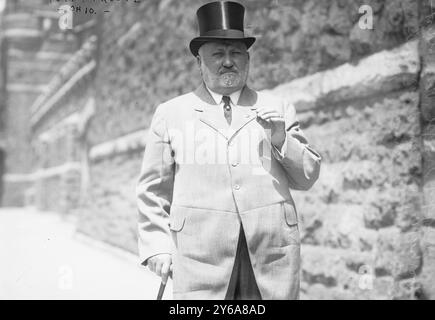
220	20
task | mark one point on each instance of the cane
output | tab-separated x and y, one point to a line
161	290
163	286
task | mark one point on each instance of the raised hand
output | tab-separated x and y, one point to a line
272	120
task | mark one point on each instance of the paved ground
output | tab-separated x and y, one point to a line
42	257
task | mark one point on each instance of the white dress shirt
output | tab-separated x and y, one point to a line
217	97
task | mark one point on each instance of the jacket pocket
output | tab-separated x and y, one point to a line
176	221
291	217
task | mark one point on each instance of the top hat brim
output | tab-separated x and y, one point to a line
197	42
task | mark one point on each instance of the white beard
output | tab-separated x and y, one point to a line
229	79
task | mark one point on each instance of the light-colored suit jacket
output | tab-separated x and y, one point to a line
201	178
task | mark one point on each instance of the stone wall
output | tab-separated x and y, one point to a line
428	136
109	212
360	230
145	47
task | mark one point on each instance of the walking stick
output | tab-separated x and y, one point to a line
161	290
162	287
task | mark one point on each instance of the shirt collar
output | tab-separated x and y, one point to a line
217	97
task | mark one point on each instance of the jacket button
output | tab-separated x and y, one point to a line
236	187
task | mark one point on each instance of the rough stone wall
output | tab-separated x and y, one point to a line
362	218
110	207
365	205
145	47
428	136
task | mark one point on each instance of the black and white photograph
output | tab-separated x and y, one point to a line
235	151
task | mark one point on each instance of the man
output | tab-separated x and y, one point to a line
215	208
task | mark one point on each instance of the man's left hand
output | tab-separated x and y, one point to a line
272	120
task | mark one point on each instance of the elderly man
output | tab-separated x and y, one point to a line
215	208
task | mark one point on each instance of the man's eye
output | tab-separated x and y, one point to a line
217	54
237	52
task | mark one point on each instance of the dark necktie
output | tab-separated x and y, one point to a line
227	108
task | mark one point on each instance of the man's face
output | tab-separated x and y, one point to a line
224	65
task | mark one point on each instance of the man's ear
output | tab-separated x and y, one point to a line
198	61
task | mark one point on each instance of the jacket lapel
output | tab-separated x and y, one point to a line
202	93
211	115
242	116
214	118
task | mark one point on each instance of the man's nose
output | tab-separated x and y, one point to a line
228	61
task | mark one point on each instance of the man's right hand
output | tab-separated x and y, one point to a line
161	264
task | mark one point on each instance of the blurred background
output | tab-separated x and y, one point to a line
80	80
